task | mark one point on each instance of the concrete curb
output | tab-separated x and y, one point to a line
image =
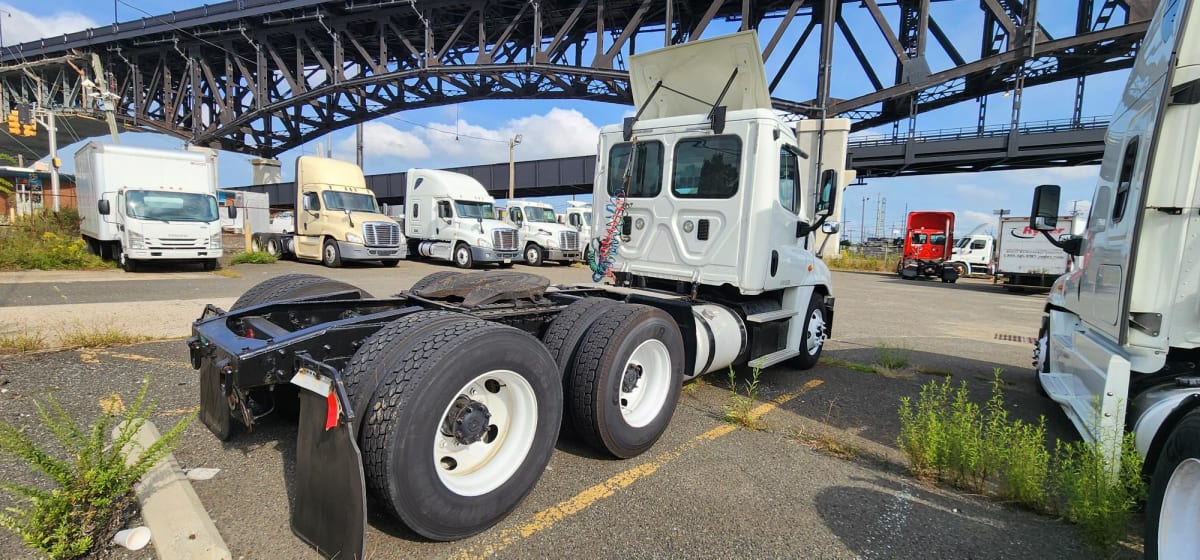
180	527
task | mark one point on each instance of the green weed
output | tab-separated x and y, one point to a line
91	481
1099	501
24	341
84	337
46	241
893	357
738	411
253	257
852	261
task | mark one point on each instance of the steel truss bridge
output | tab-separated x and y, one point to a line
263	76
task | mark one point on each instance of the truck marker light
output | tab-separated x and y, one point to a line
332	411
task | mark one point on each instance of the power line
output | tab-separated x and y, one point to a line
451	132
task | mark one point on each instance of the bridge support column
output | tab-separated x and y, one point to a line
265	171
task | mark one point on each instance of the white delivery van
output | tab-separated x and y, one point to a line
139	204
450	216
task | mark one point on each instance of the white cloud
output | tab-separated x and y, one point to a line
978	192
970	219
23	26
381	140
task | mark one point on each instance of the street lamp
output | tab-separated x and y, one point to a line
512	143
862	218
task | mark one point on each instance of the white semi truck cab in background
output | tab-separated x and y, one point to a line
450	216
140	205
579	217
1120	338
545	238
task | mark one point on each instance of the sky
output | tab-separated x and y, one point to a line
477	132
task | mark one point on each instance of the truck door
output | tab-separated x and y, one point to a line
782	220
308	235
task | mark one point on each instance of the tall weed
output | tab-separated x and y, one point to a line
46	241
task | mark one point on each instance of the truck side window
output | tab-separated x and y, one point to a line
573	219
788	179
646	178
443	207
1128	163
311	202
516	215
978	244
416	210
707	167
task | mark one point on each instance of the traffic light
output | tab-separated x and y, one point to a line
25	113
14	123
29	128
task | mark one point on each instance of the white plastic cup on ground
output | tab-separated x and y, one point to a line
134	539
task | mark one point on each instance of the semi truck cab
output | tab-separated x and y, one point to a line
545	238
451	217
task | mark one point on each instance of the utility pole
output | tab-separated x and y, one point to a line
512	143
358	144
862	220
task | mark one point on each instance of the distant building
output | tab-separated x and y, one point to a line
31	191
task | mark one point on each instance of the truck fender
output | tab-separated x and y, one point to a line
1153	427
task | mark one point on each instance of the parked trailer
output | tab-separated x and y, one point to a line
446	400
1027	259
1118	346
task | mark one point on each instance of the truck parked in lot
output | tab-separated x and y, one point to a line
545	238
1120	334
974	253
1026	258
139	205
451	217
449	397
336	219
928	241
579	217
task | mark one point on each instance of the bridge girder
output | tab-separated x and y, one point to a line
261	77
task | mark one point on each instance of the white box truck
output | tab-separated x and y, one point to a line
138	204
545	238
1120	334
1027	259
450	216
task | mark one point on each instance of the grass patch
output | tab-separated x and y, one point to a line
738	411
227	273
253	257
46	241
91	484
948	438
853	261
24	341
893	357
98	338
862	368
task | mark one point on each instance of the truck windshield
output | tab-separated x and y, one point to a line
938	239
543	215
467	209
918	238
171	206
962	242
339	200
587	219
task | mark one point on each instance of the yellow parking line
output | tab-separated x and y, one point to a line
548	517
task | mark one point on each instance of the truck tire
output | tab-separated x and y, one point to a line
813	340
390	263
331	255
960	268
291	286
566	331
127	264
431	279
533	255
1041	356
625	380
210	265
463	257
1174	493
273	247
256	245
462	427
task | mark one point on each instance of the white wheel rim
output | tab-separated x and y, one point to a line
329	254
531	255
478	468
641	404
1043	343
462	255
816	332
1180	514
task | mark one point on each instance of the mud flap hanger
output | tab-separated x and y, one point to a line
716	115
330	507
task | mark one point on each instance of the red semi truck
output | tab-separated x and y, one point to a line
928	242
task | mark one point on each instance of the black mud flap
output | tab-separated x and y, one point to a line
330	509
214	404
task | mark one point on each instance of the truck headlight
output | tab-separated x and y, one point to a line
551	242
136	241
353	238
483	242
214	242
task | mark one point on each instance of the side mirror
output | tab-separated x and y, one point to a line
830	228
1044	215
232	212
103	207
827	195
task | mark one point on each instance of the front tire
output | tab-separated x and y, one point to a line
1171	512
625	380
390	263
463	257
210	265
127	264
462	428
331	255
533	255
815	327
1041	356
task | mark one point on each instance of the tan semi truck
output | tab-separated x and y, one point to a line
337	219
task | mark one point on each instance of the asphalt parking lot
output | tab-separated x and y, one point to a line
706	490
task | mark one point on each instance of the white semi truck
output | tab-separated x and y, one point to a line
579	216
974	253
140	205
446	400
1120	338
545	238
451	217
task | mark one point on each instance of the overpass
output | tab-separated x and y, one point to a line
1041	144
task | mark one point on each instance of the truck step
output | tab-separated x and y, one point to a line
774	358
769	316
